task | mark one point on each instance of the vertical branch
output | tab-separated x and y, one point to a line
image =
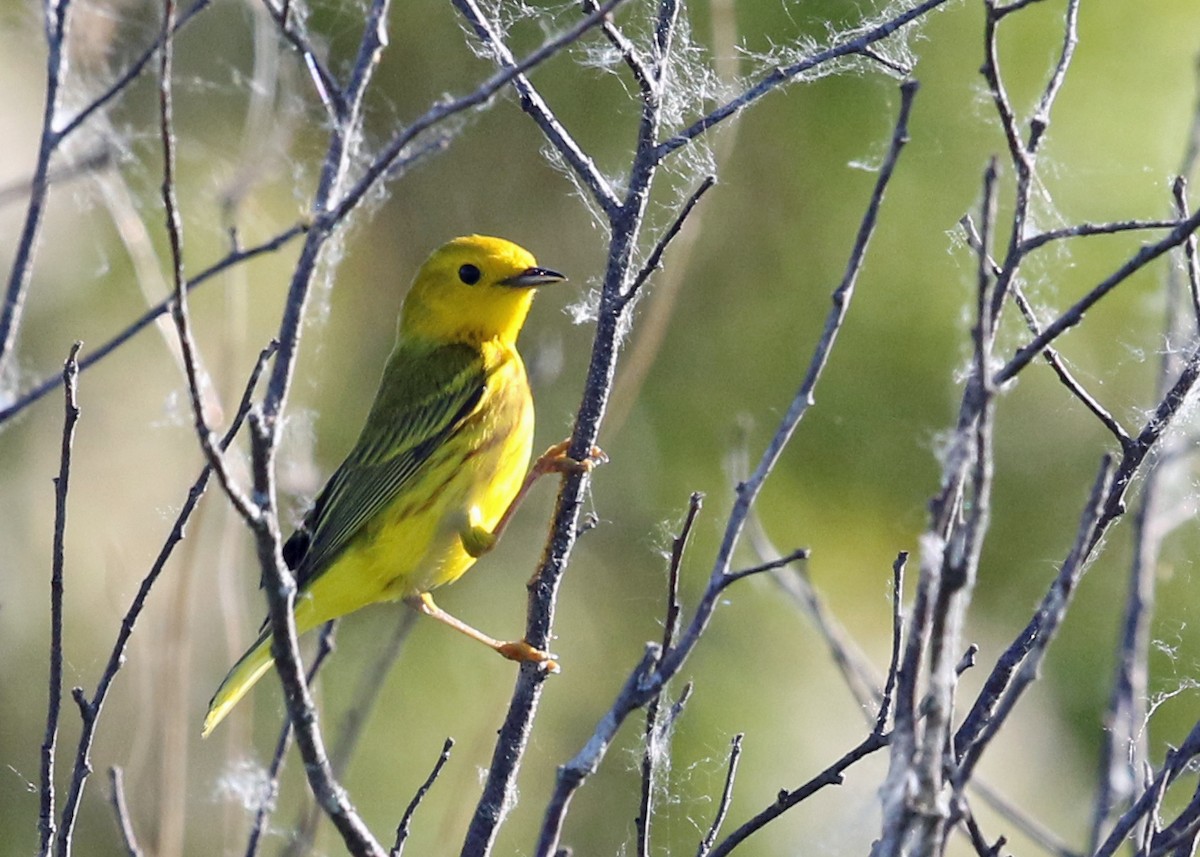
280	587
57	19
266	802
654	731
1124	751
90	709
46	823
915	800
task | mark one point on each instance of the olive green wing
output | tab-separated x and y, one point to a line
423	399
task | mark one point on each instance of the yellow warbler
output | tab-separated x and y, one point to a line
440	463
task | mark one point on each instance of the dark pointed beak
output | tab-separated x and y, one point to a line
531	277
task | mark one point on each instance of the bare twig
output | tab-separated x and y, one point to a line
660	246
950	550
122	83
353	721
859	44
1064	374
1124	750
735	753
55	28
62	483
1083	230
280	587
402	829
1175	763
769	565
1067	320
889	687
1190	254
90	709
147	318
266	800
655	730
533	104
326	85
1016	669
831	776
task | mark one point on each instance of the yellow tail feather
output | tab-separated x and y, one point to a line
253	666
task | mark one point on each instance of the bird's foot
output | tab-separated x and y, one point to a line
556	460
522	652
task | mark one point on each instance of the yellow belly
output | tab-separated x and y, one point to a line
415	544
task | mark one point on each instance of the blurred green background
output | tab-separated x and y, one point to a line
739	307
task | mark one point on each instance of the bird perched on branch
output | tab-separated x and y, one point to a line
440	464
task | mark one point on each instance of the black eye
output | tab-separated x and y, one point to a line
469	274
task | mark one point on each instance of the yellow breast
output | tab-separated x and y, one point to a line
415	545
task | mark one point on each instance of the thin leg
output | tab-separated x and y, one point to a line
518	650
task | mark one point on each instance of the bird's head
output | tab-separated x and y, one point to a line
473	289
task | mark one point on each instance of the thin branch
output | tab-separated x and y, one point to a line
889	687
990	70
149	317
842	295
627	49
116	779
533	104
1040	121
55	27
1083	230
1191	263
571	775
46	823
353	722
856	45
1049	354
735	753
326	85
280	588
655	730
1064	374
660	246
1074	315
90	709
1019	665
975	833
270	790
831	776
1175	763
122	83
402	830
769	565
